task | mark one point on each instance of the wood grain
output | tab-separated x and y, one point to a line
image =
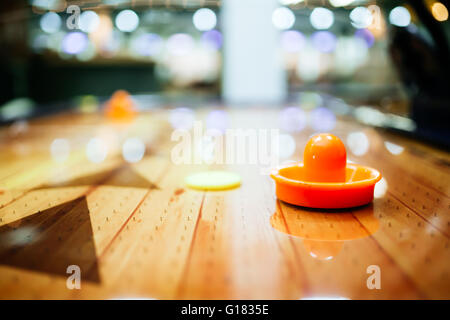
136	231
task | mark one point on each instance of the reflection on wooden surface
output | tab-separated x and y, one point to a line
136	231
324	231
337	225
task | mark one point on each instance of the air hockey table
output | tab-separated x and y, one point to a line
136	231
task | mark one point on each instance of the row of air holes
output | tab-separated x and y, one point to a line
183	237
209	259
404	194
243	245
419	223
58	199
427	259
109	219
35	199
189	219
135	218
138	263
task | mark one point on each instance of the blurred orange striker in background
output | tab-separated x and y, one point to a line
120	107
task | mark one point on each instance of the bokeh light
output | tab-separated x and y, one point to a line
96	150
50	22
439	11
365	35
370	116
204	19
322	119
89	21
324	41
60	150
400	17
283	18
218	120
127	20
292	119
74	42
292	41
358	143
289	2
381	188
361	17
212	39
182	118
47	4
340	3
133	150
393	148
321	18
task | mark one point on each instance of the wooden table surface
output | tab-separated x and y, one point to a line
136	231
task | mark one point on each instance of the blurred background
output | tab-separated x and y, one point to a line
384	62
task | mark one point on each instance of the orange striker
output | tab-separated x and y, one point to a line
120	106
325	179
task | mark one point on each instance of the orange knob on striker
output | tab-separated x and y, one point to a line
325	159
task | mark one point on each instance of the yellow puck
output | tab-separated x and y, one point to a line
213	180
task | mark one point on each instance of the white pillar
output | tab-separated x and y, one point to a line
253	71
